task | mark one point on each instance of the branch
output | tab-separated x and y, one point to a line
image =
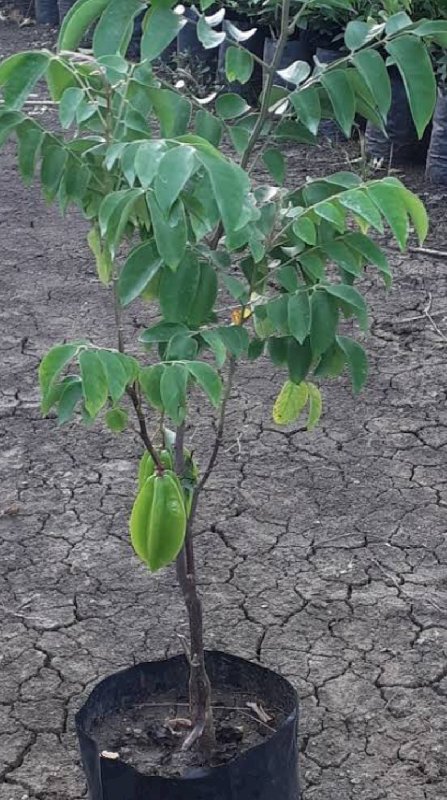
284	35
136	402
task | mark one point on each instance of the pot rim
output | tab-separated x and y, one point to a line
197	773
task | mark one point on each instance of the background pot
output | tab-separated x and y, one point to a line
296	49
402	145
436	169
266	772
251	90
190	47
64	8
47	12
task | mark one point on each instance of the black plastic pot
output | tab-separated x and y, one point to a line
296	49
251	90
190	46
47	12
436	168
402	145
64	8
268	771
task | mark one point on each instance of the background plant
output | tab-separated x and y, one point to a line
166	184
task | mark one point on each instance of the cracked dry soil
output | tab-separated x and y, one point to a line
322	555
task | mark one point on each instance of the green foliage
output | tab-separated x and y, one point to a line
173	219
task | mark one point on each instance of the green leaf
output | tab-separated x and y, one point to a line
29	137
240	138
69	104
389	200
346	258
305	230
149	379
291	131
417	212
161	332
50	368
173	392
255	349
208	380
104	263
315	406
216	345
415	67
94	382
236	288
161	27
324	311
182	347
235	339
170	231
371	67
178	289
112	31
353	298
278	349
173	111
295	73
77	21
342	98
229	106
299	359
174	172
398	22
299	315
208	127
70	396
116	420
75	181
287	277
116	375
275	163
114	214
290	403
238	65
330	211
230	185
371	253
147	160
59	77
277	312
51	170
141	266
359	203
205	296
313	264
207	36
357	33
19	74
332	362
306	103
128	162
8	121
357	361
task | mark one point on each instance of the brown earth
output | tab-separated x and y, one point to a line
323	555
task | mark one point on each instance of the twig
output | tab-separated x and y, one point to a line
136	402
424	251
220	427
